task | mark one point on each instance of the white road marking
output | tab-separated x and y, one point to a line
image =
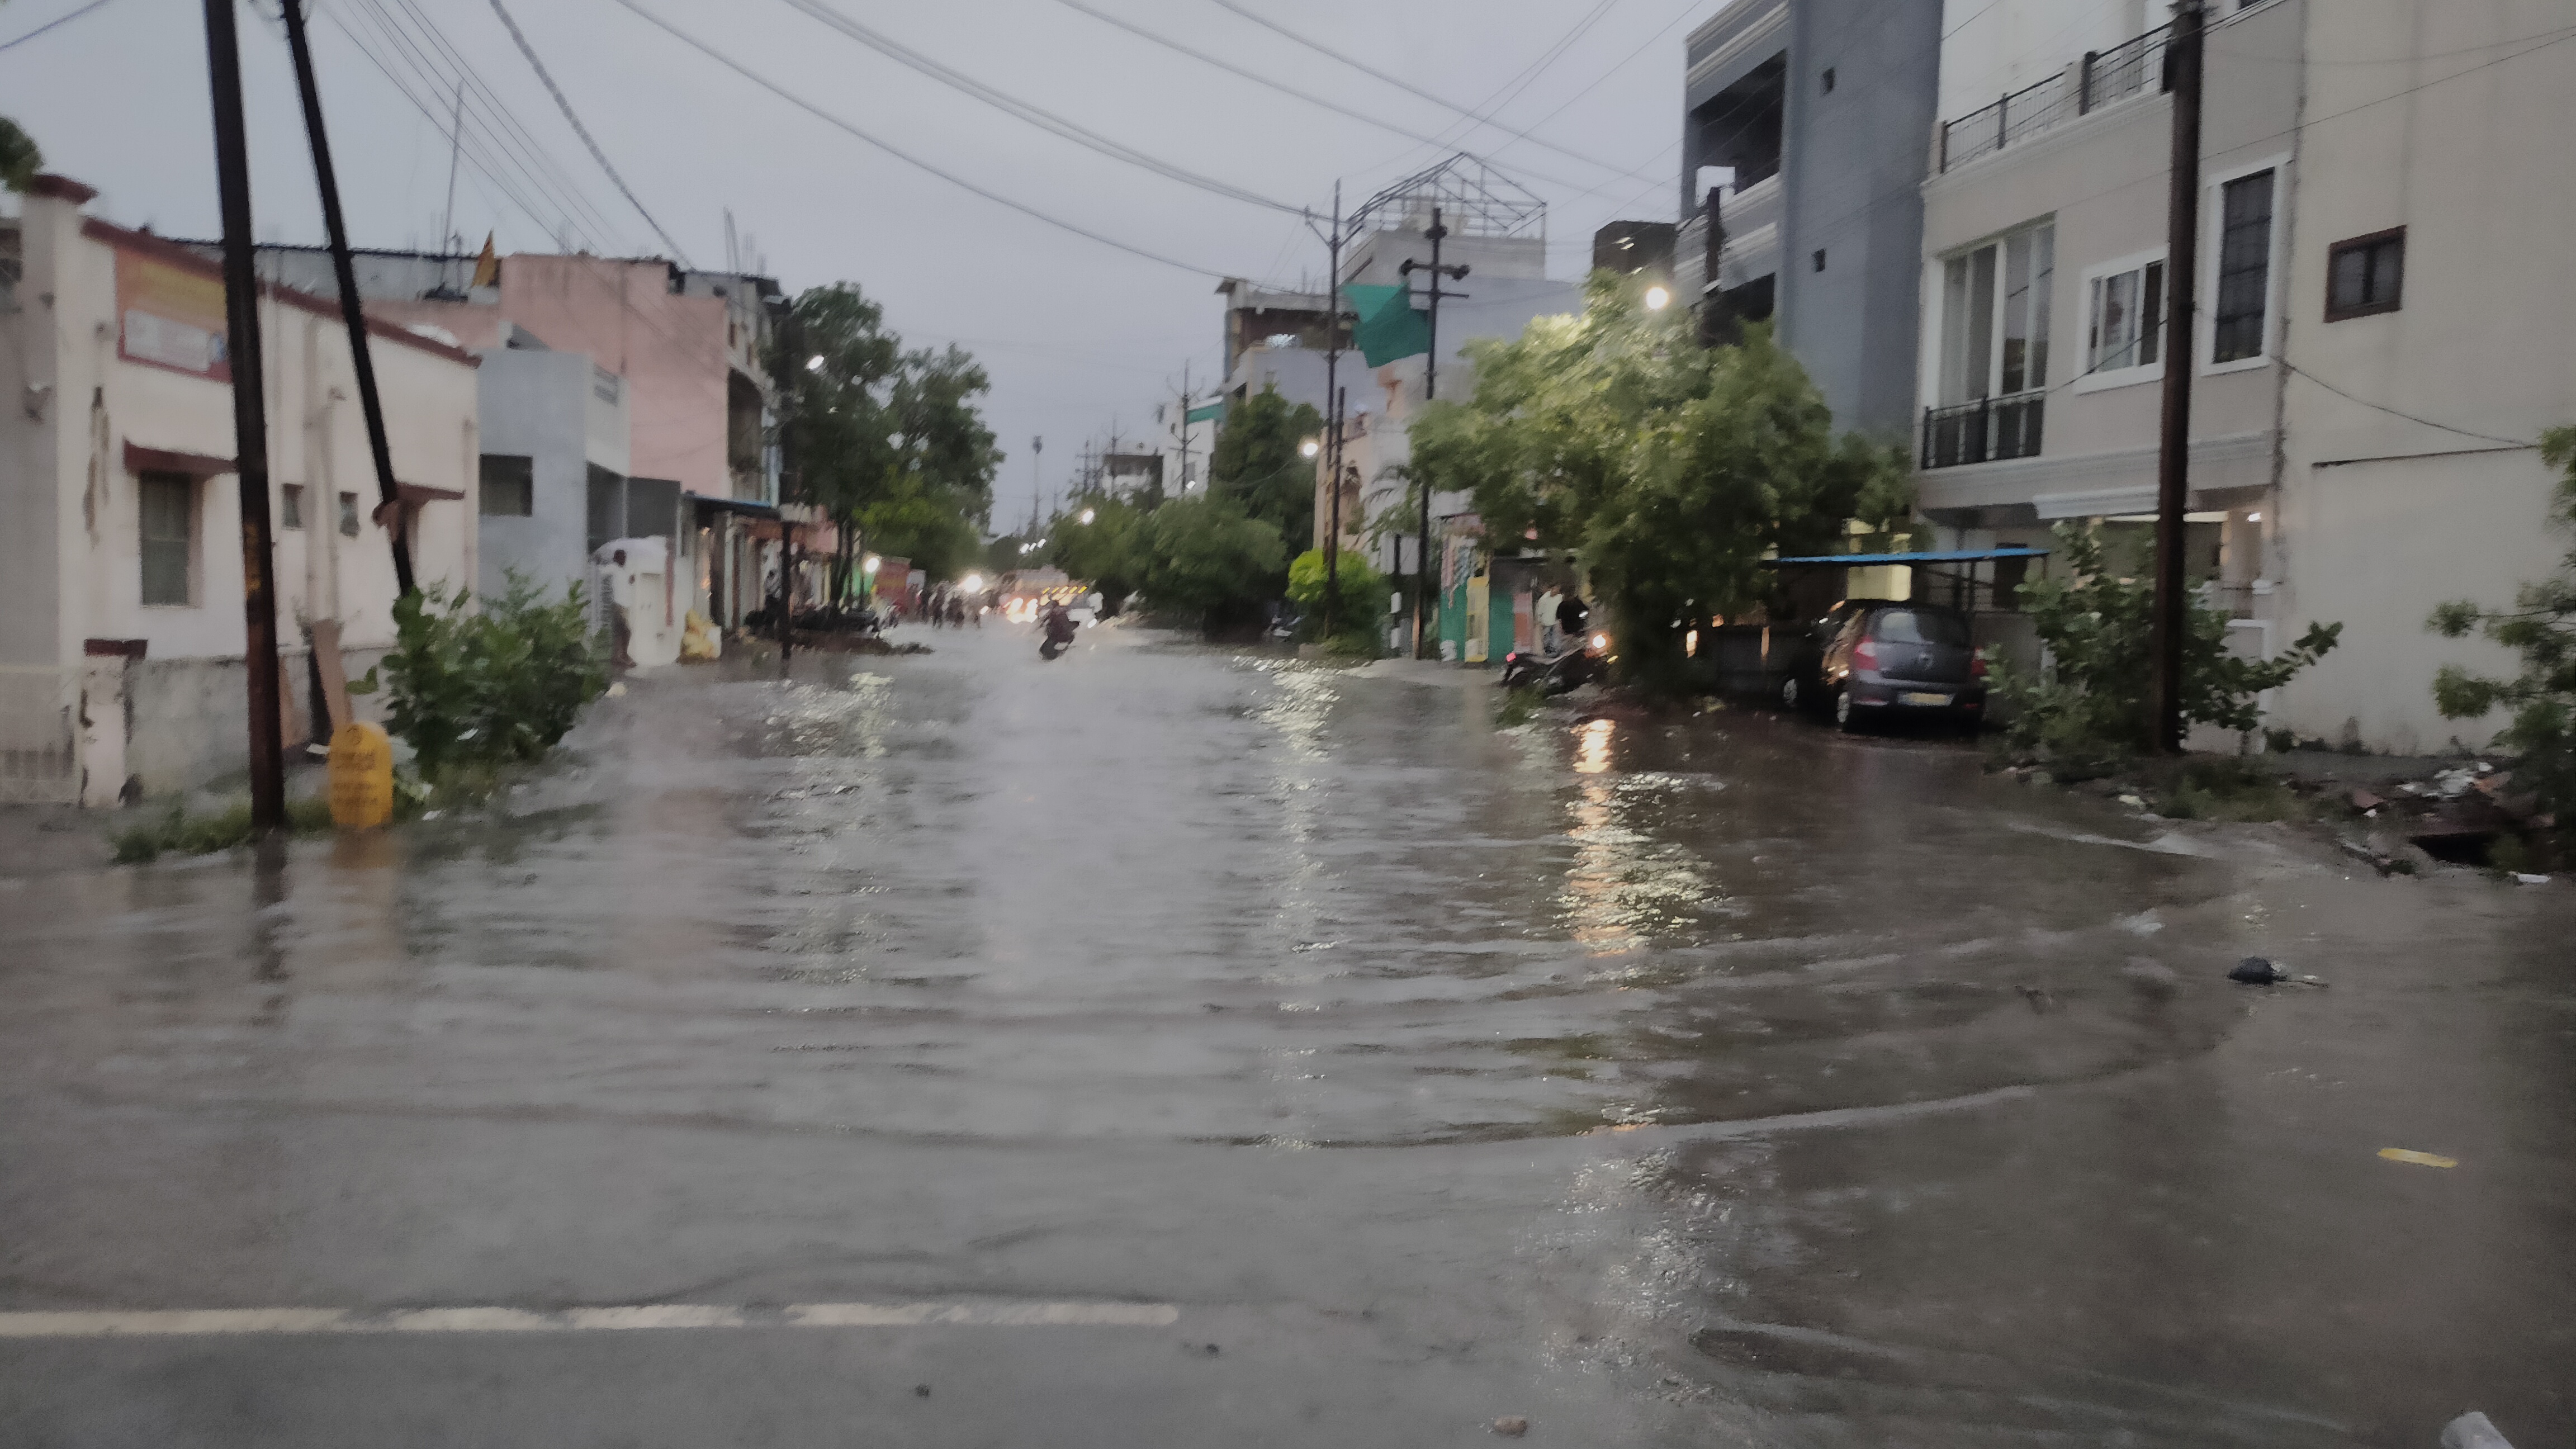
209	1322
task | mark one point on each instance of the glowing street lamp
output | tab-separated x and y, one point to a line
972	583
1309	448
814	363
869	564
1657	298
1089	514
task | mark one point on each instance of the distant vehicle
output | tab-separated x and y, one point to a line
1586	661
1879	659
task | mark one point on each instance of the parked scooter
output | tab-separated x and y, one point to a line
1584	663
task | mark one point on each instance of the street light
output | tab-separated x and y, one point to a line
869	564
1089	514
1657	299
973	583
1309	448
814	363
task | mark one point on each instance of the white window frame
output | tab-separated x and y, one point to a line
2090	381
1932	348
2213	214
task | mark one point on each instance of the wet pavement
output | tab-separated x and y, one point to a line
1332	1067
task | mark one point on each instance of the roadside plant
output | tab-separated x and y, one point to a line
2541	627
1363	592
1104	551
488	687
1204	559
2091	705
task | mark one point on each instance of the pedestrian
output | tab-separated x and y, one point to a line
1548	605
621	594
1573	617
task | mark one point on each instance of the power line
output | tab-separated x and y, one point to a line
1510	90
2397	413
904	156
1043	119
1284	89
1409	87
1597	81
596	154
50	24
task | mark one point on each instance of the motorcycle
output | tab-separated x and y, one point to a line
1571	669
1059	634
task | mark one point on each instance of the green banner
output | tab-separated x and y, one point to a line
1208	414
1388	327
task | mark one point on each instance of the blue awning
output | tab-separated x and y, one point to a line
1955	555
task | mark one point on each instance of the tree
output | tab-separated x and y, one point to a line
2541	627
1206	558
1673	468
2099	628
1363	593
20	160
1257	463
1104	552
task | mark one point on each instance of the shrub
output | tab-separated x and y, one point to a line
2541	627
1362	606
2092	704
488	687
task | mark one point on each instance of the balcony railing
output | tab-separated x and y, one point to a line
2104	77
2123	70
1984	132
1988	430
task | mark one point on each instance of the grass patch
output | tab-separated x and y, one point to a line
1519	707
2235	790
177	832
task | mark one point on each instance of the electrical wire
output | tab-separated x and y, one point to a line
1043	119
565	104
1410	88
2397	413
906	157
50	24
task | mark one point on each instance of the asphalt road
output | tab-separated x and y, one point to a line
1166	1047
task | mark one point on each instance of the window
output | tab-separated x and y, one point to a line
169	529
1994	316
1829	80
508	488
291	511
2237	323
2125	323
2365	275
349	515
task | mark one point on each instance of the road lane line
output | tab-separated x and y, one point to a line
221	1322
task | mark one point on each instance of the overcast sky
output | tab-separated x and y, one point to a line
1077	335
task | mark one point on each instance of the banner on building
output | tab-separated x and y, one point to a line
170	316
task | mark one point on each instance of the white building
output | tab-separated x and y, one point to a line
121	630
2360	130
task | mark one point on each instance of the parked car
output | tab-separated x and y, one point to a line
1799	665
1887	659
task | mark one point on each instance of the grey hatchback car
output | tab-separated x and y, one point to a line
1889	660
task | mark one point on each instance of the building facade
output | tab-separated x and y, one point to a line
121	631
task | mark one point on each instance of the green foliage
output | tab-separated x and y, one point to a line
2226	788
1257	464
2093	704
20	159
493	686
2541	627
925	497
1363	589
1674	468
1106	552
1520	705
1206	558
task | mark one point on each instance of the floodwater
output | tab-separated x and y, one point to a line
1719	1081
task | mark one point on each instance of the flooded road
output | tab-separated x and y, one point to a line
1169	1047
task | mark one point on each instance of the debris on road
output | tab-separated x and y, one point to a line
2420	1159
2255	971
1511	1427
2472	1431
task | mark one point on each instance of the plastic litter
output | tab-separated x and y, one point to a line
2255	971
1514	1426
2528	879
2472	1431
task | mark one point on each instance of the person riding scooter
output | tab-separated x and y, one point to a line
1058	623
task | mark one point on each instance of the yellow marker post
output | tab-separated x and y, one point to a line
362	777
2420	1159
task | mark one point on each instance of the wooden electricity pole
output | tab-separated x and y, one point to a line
2173	457
250	423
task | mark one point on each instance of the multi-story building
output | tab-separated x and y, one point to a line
2360	418
1815	110
122	641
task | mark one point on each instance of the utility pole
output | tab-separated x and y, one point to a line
250	423
1333	241
1184	479
2173	458
389	494
1717	324
455	154
1430	391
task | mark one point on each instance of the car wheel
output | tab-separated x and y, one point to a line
1790	695
1843	716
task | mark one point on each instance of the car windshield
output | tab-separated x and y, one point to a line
1920	626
